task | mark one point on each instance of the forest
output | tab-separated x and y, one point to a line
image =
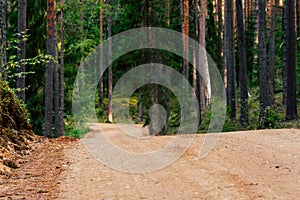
253	44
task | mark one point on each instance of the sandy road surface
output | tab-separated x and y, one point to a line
243	165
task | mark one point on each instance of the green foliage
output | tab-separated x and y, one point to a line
271	120
34	92
15	129
13	113
213	37
71	130
82	36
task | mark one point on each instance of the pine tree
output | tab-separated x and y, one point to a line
59	125
229	58
185	26
263	71
50	66
290	59
243	64
3	59
110	84
272	37
101	54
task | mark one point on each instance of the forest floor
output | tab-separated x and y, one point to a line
243	165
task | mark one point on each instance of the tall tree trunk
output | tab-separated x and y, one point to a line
50	65
101	55
140	108
251	29
195	64
272	37
290	59
246	4
186	39
110	86
202	42
253	59
263	81
21	49
168	11
243	64
298	17
220	27
59	126
81	30
3	59
196	75
221	36
56	91
229	58
185	31
56	85
203	63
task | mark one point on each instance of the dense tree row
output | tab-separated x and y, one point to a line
253	42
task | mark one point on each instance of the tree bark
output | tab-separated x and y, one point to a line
168	13
56	83
60	123
298	18
290	59
101	55
51	40
272	37
82	39
263	71
229	58
220	27
140	108
243	64
195	64
56	91
186	39
21	49
110	86
3	58
222	43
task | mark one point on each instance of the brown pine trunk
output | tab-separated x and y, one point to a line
246	4
51	41
298	18
110	86
202	36
81	30
221	33
243	64
204	80
195	64
290	59
140	108
21	49
196	60
56	91
272	38
3	58
56	84
256	27
186	39
263	70
168	12
101	55
60	123
229	58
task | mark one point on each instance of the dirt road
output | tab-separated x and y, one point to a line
243	165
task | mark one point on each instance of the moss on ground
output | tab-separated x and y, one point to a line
15	129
